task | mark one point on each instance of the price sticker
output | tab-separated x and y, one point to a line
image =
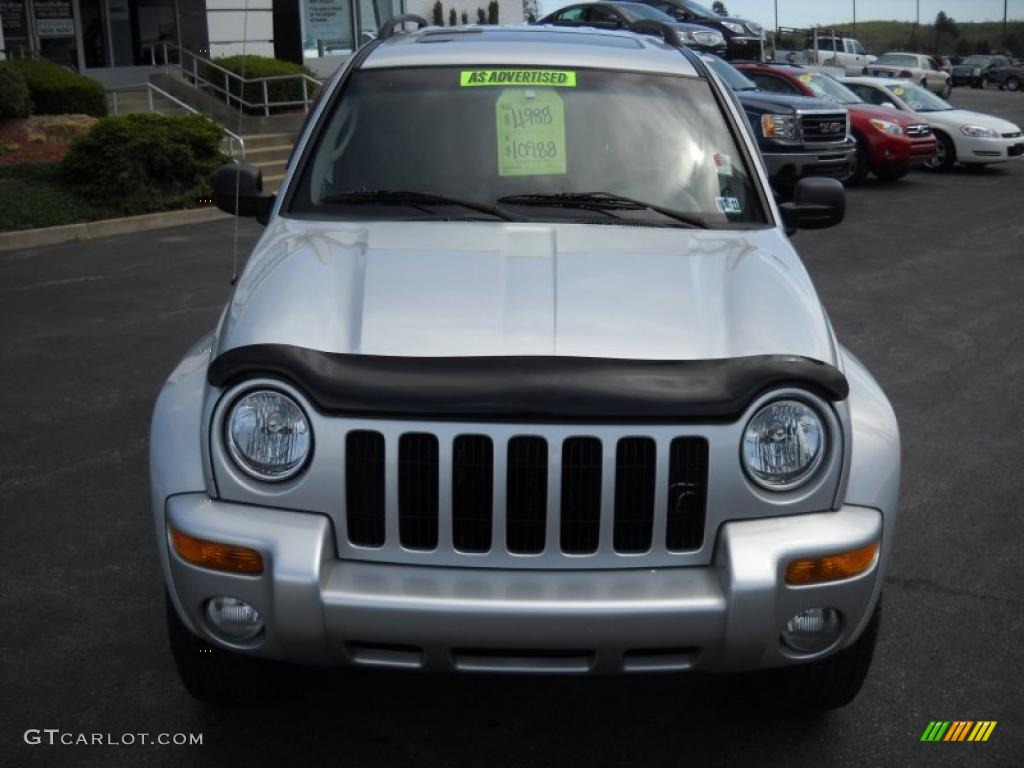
531	133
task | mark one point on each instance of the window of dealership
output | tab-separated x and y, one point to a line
102	37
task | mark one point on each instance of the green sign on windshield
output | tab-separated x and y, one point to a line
531	133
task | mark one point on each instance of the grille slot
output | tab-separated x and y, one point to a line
687	493
581	495
823	128
364	488
472	492
417	490
527	495
635	471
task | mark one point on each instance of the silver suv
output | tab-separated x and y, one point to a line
524	375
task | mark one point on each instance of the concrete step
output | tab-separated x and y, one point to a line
263	140
271	183
262	155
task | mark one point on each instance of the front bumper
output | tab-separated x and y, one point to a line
978	151
833	162
741	48
322	610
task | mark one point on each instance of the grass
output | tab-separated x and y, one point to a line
35	195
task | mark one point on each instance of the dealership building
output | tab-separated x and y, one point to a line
119	41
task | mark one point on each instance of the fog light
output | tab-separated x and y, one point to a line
812	630
233	619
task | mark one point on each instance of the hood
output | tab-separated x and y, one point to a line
870	111
451	289
769	101
966	117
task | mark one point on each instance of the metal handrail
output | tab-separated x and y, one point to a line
193	72
233	138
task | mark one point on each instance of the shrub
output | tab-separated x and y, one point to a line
492	12
481	16
438	14
465	17
453	18
251	67
58	91
14	96
142	163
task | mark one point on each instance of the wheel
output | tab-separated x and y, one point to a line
832	682
945	154
1012	83
891	173
213	675
946	90
861	164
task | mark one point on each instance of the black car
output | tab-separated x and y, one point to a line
744	39
978	69
635	17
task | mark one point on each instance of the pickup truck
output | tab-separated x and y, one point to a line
821	48
798	136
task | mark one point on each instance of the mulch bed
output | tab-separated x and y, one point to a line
42	139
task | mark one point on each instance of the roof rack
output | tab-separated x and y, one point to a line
661	29
387	29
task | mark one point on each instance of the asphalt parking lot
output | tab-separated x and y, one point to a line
923	282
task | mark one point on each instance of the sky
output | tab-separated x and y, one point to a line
803	13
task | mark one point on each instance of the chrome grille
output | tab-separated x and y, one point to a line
571	496
823	128
918	129
1013	135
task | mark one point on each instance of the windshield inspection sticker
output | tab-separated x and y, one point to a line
728	205
806	78
550	77
531	133
899	91
723	164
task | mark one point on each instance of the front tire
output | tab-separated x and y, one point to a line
945	155
947	89
832	682
213	675
1012	83
860	166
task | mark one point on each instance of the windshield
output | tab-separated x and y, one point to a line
829	88
699	9
400	141
637	11
897	60
919	99
730	75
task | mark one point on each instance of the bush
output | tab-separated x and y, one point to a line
481	16
142	163
14	96
453	18
58	91
492	12
438	11
262	66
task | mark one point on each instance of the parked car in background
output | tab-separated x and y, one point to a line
946	63
798	136
889	144
831	50
1010	77
966	137
977	70
916	67
744	39
607	14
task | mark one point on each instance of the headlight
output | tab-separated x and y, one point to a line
755	29
268	435
978	132
975	71
733	27
884	126
783	445
778	126
711	38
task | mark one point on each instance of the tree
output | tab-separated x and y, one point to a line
453	18
719	7
531	10
438	14
946	31
481	16
492	12
465	17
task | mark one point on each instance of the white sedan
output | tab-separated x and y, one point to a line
970	138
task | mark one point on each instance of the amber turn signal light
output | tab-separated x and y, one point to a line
814	570
215	555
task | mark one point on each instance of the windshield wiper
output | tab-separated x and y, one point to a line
602	201
415	199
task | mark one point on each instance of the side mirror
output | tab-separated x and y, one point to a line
818	203
888	104
242	183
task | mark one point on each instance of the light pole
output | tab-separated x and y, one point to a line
855	18
1005	3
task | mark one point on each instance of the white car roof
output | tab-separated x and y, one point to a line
881	82
530	45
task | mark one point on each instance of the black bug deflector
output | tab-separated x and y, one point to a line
535	388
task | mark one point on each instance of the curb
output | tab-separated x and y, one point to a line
90	230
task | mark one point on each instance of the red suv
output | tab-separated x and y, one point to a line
888	143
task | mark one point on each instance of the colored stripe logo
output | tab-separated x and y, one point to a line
958	730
